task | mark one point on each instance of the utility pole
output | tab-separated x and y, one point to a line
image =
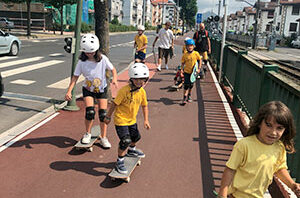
144	12
255	25
223	39
71	106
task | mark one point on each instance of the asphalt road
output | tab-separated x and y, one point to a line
40	75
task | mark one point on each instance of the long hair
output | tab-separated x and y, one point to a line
283	116
97	56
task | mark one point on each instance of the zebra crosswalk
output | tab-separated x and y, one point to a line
11	66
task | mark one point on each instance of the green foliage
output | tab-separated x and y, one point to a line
56	26
115	21
58	3
121	28
85	28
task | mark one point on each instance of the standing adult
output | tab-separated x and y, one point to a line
166	43
202	44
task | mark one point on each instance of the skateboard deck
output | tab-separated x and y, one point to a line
174	88
130	164
194	73
95	131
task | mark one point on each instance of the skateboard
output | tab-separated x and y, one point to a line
174	88
153	50
194	74
130	164
95	136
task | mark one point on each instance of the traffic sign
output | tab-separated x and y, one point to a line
199	18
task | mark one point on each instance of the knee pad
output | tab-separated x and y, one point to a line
125	142
136	138
102	114
90	113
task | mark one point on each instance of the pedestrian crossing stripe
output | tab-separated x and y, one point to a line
7	58
18	62
23	82
29	68
64	84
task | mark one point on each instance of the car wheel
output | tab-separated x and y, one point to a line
14	49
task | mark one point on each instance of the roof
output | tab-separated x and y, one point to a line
249	10
290	2
266	6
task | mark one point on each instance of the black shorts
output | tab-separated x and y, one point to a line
187	79
131	131
140	55
163	52
100	95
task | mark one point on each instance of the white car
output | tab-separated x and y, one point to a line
296	43
9	44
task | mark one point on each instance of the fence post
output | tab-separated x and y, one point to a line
236	86
264	86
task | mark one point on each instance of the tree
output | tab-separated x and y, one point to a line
28	2
59	4
188	11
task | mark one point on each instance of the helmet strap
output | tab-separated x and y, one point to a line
133	87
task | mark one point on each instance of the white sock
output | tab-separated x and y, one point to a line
132	148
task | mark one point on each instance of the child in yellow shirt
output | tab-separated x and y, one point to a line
126	106
188	61
261	154
140	45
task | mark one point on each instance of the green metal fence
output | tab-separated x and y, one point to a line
254	84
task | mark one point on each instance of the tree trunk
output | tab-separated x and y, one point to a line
61	18
28	18
102	32
102	25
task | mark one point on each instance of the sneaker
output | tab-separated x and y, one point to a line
167	67
189	99
135	153
158	68
120	166
105	143
86	138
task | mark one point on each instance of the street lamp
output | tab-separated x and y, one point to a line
256	21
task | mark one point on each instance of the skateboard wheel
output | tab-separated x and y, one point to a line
139	163
90	149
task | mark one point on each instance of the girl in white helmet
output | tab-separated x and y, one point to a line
126	106
140	45
92	65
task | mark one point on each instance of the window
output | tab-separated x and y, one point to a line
293	27
270	14
296	10
280	10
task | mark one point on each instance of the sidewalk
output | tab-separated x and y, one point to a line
186	148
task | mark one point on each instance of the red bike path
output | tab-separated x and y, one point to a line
186	149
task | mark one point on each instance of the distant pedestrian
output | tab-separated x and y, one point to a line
261	154
188	62
92	65
166	44
179	78
126	106
203	46
140	45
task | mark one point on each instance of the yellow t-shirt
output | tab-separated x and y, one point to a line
141	41
189	60
255	164
128	104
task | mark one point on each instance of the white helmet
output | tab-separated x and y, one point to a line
138	70
89	43
141	27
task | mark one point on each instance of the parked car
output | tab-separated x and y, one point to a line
1	86
296	43
9	44
6	24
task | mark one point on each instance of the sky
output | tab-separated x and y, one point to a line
212	5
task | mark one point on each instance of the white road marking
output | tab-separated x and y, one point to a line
56	54
64	84
18	62
8	144
30	68
26	97
23	82
7	57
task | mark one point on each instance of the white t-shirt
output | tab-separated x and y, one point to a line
94	73
165	38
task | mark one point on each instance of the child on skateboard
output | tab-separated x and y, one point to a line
92	65
188	61
179	78
261	154
126	106
140	44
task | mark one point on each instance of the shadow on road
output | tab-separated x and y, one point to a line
58	141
